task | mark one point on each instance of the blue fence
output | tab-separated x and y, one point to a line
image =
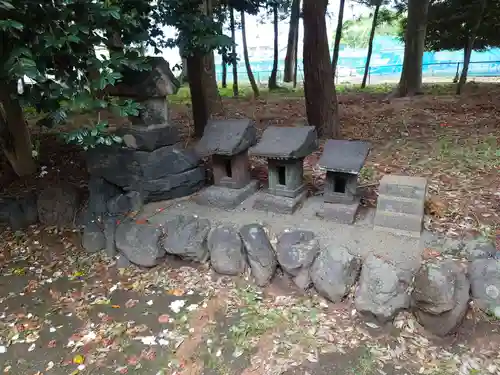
383	73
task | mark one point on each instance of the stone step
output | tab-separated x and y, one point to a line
398	223
402	205
403	186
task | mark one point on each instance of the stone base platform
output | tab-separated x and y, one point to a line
281	205
341	213
226	198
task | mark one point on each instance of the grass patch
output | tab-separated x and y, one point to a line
477	153
365	365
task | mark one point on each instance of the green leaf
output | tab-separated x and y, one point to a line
11	24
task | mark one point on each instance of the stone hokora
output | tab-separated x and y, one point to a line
285	149
227	142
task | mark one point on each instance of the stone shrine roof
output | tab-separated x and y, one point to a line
159	81
227	137
286	142
344	156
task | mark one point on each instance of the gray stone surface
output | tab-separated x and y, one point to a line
109	227
19	213
484	276
93	238
260	254
278	204
334	272
479	248
140	243
338	212
397	223
149	138
226	198
58	205
286	142
296	251
122	204
383	289
100	192
344	156
226	251
440	296
186	237
122	262
403	186
408	206
227	137
293	183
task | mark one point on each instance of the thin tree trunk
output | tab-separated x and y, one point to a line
470	47
370	44
251	78
273	78
410	82
319	87
15	140
184	76
233	54
224	73
200	109
338	37
293	32
296	52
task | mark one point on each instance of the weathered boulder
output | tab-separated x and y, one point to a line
334	272
296	251
383	289
93	238
260	253
484	276
149	138
100	192
186	237
58	205
126	203
440	296
109	228
19	213
226	251
479	249
140	243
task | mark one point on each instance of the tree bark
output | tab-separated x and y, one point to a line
370	44
15	140
224	73
410	82
293	32
319	86
273	78
200	108
338	37
184	75
296	52
470	47
233	54
251	78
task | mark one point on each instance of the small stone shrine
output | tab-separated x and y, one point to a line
285	149
227	141
343	161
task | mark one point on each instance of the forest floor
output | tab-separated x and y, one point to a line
65	312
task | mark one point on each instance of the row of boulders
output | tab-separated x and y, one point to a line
438	293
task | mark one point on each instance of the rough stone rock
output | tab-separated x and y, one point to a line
383	289
165	173
226	251
227	137
334	272
123	204
122	262
58	205
296	251
440	296
100	192
479	249
286	142
149	138
19	213
109	228
186	237
260	254
484	276
93	238
140	243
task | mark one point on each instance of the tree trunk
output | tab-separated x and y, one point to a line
293	32
184	75
319	86
15	140
273	78
224	73
200	108
251	78
233	54
338	37
214	100
296	52
410	82
370	44
470	47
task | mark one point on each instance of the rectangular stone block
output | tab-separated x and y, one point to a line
224	197
403	186
404	224
285	177
340	187
231	171
339	212
281	205
409	206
